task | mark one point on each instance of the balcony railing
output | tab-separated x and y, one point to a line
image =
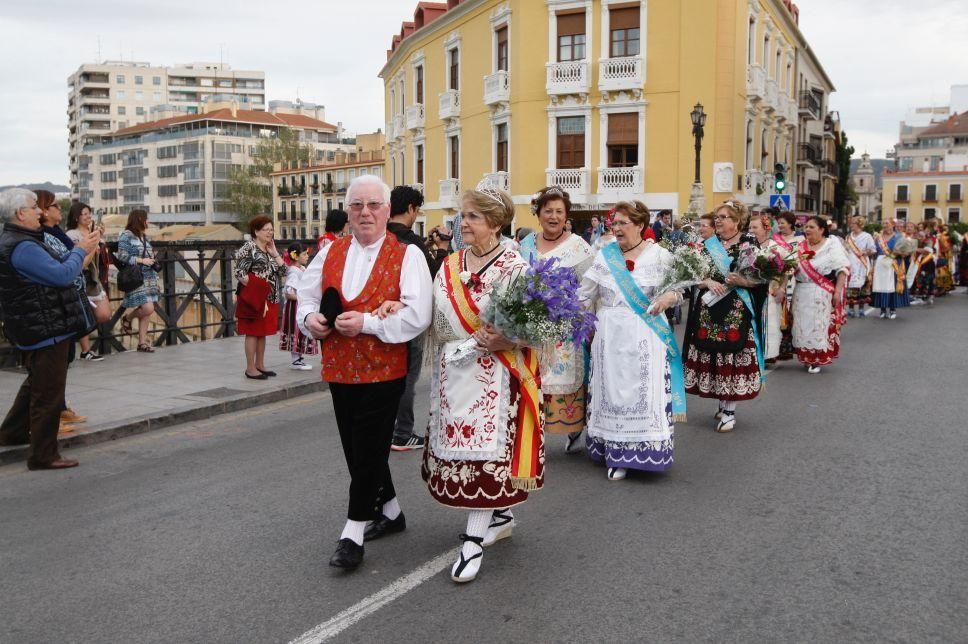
623	180
572	180
497	87
930	197
620	73
770	95
830	168
449	192
449	106
954	196
570	77
415	116
809	105
755	82
828	208
500	179
398	126
809	153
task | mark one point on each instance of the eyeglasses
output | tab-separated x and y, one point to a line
721	217
616	222
372	206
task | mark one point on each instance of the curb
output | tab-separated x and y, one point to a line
160	420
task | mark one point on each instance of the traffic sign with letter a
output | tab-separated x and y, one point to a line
780	201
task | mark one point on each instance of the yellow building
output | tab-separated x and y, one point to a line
919	196
594	96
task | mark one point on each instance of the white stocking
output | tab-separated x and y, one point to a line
477	523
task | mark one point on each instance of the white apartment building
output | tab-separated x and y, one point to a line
113	95
815	171
178	168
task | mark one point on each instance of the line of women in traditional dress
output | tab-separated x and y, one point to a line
493	399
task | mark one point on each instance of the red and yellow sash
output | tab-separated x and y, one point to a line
521	364
900	274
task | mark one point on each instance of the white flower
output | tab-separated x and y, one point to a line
464	276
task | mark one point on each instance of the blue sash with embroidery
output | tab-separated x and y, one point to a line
723	261
640	304
528	247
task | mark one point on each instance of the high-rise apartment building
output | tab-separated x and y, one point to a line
595	96
113	95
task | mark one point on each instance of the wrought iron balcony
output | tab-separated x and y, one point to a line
621	73
809	105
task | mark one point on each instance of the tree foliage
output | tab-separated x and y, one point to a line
844	194
249	190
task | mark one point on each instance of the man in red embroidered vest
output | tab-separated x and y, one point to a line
364	354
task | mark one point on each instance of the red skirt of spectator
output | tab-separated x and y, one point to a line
267	325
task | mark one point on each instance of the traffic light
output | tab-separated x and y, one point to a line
779	178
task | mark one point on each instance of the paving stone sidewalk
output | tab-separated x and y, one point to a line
131	392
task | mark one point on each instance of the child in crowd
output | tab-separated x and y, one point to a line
291	339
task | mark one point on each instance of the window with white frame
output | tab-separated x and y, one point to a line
571	37
501	160
624	34
453	68
900	213
501	50
954	192
901	193
623	140
954	215
453	157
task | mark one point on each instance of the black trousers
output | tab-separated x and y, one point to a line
365	415
34	416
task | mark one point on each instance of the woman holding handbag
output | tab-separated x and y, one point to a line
134	249
258	269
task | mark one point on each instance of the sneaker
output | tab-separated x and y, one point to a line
300	365
407	444
882	315
91	356
892	316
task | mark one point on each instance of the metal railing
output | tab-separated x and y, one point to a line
810	104
197	299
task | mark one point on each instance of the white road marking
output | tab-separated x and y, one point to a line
343	620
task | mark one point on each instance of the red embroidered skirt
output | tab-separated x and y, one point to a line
819	358
261	327
723	375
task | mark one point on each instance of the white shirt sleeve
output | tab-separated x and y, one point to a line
310	291
416	293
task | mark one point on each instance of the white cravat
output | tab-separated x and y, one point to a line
415	291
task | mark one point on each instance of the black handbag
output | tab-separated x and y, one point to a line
130	277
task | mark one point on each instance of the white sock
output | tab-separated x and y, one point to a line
729	406
354	530
295	355
391	509
477	523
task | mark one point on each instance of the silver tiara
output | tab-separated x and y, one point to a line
487	188
554	191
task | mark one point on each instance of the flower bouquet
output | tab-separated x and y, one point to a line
540	306
690	266
905	246
763	265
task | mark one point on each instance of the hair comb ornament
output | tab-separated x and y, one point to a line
487	188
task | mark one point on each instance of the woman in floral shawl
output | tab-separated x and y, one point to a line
722	352
485	448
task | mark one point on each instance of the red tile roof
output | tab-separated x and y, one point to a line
241	116
957	124
424	14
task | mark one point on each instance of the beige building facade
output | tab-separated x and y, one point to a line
113	95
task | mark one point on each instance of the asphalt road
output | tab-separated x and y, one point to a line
837	511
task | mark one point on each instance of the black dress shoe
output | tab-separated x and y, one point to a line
261	376
348	555
384	526
265	372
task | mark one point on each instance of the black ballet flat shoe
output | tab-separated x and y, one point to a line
261	376
266	372
348	555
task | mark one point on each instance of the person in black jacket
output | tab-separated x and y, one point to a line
405	203
41	311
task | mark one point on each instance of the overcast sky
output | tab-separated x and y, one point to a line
884	56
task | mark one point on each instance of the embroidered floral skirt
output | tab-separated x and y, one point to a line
821	357
291	339
479	485
859	296
565	413
723	376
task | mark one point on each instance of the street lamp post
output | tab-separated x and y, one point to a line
697	200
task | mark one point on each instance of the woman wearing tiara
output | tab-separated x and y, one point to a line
485	445
562	365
